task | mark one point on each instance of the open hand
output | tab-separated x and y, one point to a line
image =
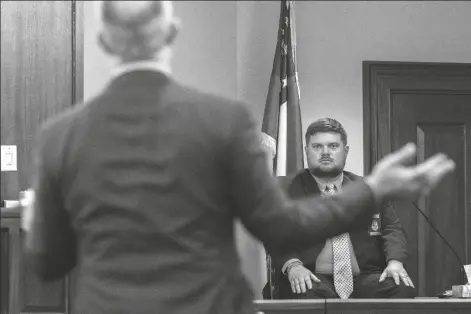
391	178
300	277
396	270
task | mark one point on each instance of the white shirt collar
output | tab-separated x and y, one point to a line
149	65
322	183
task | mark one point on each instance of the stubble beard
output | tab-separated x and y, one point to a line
322	173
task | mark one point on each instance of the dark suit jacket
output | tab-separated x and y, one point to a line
139	189
372	252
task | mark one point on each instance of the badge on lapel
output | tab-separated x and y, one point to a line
375	227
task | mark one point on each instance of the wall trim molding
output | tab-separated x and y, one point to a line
77	51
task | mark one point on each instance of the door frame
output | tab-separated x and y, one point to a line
77	51
383	79
378	81
77	97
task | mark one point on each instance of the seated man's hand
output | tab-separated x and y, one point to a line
396	270
300	277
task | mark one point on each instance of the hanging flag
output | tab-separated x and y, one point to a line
281	128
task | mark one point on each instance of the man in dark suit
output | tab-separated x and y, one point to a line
375	254
139	188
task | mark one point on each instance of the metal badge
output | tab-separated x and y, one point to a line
375	227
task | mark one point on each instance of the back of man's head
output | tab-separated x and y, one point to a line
136	30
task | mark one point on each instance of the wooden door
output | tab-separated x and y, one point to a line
42	74
429	104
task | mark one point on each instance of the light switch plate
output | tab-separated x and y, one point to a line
9	158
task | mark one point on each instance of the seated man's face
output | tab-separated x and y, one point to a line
326	154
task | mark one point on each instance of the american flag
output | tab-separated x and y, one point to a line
282	130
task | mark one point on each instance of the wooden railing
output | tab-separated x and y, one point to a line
366	306
21	290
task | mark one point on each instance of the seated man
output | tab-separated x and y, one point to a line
360	264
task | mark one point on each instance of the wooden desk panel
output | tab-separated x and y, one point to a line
376	306
388	306
290	306
22	291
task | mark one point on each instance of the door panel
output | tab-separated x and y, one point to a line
36	77
437	123
22	291
5	270
11	248
42	74
429	104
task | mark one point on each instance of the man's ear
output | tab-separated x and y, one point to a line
173	32
346	149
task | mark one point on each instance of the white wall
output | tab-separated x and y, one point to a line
204	55
334	37
228	47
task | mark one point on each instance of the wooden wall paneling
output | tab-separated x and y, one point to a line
366	306
11	248
445	207
4	270
42	74
429	104
36	77
77	51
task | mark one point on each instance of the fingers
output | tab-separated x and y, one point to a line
295	286
308	282
302	284
314	278
396	278
437	173
404	155
431	163
432	171
405	279
383	276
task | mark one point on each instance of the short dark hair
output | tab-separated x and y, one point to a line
326	125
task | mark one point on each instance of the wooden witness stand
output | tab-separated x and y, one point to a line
55	298
366	306
21	290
